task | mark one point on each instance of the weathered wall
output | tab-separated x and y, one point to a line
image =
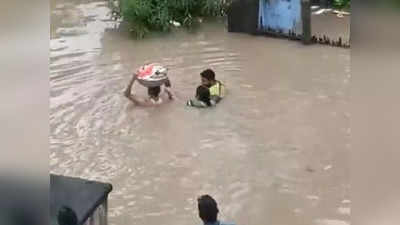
284	15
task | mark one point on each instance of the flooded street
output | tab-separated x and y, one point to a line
274	151
332	26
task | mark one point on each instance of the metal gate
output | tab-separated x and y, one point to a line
281	16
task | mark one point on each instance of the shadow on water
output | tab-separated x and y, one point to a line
273	152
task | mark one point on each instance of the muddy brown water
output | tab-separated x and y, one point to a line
330	25
275	151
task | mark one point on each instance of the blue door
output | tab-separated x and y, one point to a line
284	15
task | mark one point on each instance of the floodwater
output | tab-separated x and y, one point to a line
275	151
332	26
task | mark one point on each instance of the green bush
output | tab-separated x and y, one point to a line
341	4
144	16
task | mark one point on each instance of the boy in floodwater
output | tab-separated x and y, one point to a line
217	89
202	99
153	93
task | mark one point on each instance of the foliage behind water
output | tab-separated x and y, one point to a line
341	4
144	16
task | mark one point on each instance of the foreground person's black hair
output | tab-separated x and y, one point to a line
208	209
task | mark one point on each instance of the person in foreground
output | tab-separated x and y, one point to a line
217	89
153	93
208	211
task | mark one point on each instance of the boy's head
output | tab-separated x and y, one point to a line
208	209
207	77
203	94
153	92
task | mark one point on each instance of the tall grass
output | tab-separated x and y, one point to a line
144	16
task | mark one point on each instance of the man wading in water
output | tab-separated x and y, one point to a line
209	93
153	92
208	211
217	89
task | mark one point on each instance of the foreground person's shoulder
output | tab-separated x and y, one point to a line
225	223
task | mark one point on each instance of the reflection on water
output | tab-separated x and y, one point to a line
273	152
